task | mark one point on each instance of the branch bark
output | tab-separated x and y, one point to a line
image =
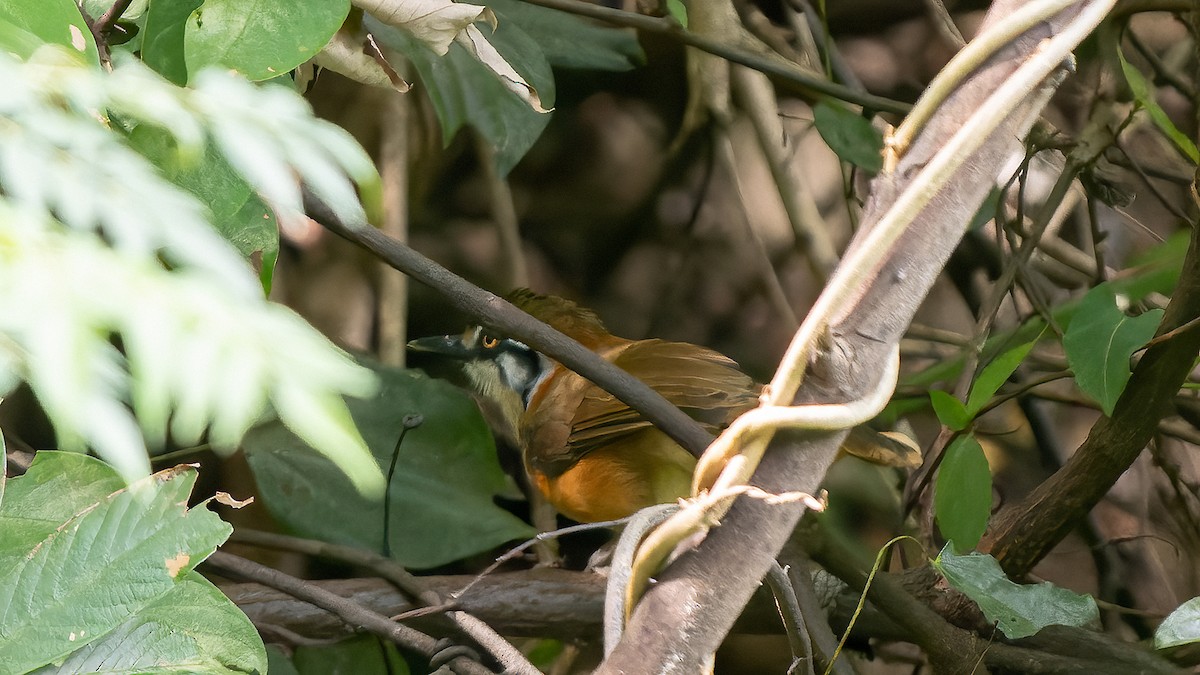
569	606
683	619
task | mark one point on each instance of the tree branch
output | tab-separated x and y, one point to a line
498	314
347	610
682	620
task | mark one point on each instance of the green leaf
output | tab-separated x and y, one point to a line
59	484
950	411
260	39
103	563
850	136
678	11
56	22
1100	341
18	41
1181	627
1019	610
1144	96
446	476
193	628
464	92
996	373
235	209
568	41
962	500
162	37
362	654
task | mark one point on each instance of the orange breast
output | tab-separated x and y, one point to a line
613	482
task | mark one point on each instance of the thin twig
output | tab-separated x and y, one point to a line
347	610
110	17
504	213
388	569
771	64
392	305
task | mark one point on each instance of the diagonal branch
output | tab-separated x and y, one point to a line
683	619
497	313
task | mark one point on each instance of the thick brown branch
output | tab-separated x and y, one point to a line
569	604
685	616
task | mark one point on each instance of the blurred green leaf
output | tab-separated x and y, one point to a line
1181	627
850	136
89	223
236	211
963	497
17	41
260	39
950	411
162	38
1019	610
53	21
464	92
678	10
1100	341
447	475
1143	94
569	41
108	559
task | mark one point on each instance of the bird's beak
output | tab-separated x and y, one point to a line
442	345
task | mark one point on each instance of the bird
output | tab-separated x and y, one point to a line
590	455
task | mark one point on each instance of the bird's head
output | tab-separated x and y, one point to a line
502	371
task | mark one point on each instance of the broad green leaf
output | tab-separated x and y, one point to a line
950	411
446	476
1100	341
162	37
279	663
53	21
1181	627
193	628
569	41
850	136
996	373
17	41
58	485
236	211
962	500
3	471
260	39
1144	96
362	654
1019	610
466	93
104	563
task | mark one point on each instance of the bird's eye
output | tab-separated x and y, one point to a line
489	342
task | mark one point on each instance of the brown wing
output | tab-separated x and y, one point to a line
706	385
